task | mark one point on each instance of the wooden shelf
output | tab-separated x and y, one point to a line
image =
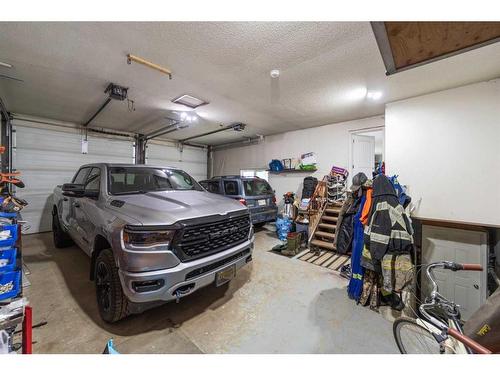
292	171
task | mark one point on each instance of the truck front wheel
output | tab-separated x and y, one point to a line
112	303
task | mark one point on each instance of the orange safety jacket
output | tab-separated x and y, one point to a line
367	207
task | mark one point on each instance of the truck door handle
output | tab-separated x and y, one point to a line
76	204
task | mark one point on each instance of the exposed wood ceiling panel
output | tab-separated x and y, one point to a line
409	44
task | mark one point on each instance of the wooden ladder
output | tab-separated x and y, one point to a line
324	233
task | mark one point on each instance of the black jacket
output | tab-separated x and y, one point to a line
389	229
345	225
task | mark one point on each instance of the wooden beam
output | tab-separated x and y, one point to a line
149	64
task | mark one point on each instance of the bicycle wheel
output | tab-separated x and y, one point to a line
412	338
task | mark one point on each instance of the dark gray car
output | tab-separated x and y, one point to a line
253	192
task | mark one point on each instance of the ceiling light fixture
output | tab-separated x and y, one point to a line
357	93
275	73
374	95
187	118
189	101
6	65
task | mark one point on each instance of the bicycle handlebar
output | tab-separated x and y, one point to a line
472	267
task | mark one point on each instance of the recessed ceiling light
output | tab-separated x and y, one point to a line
374	95
5	65
189	101
357	93
188	118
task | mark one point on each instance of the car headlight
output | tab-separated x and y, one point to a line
147	239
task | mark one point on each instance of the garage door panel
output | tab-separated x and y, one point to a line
48	157
192	160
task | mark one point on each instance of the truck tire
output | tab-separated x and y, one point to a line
61	238
112	303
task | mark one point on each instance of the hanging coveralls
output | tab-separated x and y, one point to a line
356	282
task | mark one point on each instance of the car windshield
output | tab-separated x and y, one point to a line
257	187
136	180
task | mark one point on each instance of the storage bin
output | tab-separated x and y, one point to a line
8	214
293	242
9	242
10	284
303	228
9	255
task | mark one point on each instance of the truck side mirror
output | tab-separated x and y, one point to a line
73	190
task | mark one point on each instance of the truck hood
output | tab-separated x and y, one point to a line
168	207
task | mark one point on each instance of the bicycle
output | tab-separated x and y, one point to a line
437	328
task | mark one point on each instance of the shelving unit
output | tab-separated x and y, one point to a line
292	171
13	307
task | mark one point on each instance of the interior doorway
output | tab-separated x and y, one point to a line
367	152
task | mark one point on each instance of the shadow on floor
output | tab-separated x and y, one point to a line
74	265
349	328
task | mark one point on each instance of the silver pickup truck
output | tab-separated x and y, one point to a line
153	234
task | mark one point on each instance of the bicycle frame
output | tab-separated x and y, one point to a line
450	336
450	343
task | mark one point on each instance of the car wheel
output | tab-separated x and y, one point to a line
61	238
112	303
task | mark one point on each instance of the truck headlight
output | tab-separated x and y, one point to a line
147	239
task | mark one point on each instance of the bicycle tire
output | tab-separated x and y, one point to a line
412	338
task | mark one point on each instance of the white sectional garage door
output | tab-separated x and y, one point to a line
193	160
48	156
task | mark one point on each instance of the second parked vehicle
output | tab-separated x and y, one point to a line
253	192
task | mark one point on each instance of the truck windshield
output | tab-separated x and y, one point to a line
136	180
257	187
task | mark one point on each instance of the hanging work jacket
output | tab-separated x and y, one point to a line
389	229
345	224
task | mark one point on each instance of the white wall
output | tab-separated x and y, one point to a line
331	143
446	147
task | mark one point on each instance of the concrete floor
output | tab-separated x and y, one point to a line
275	305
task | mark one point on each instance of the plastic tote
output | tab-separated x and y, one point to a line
8	242
8	255
10	283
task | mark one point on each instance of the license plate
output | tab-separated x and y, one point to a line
225	275
261	202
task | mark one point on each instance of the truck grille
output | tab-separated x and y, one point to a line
200	240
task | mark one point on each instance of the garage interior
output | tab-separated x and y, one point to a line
302	109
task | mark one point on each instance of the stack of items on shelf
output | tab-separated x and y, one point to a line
337	184
375	227
12	305
306	162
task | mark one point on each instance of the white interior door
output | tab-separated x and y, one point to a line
466	288
363	155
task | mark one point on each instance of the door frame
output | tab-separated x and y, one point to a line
351	141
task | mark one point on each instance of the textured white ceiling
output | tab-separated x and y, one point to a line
67	66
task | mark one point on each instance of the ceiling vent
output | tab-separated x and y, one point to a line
189	101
